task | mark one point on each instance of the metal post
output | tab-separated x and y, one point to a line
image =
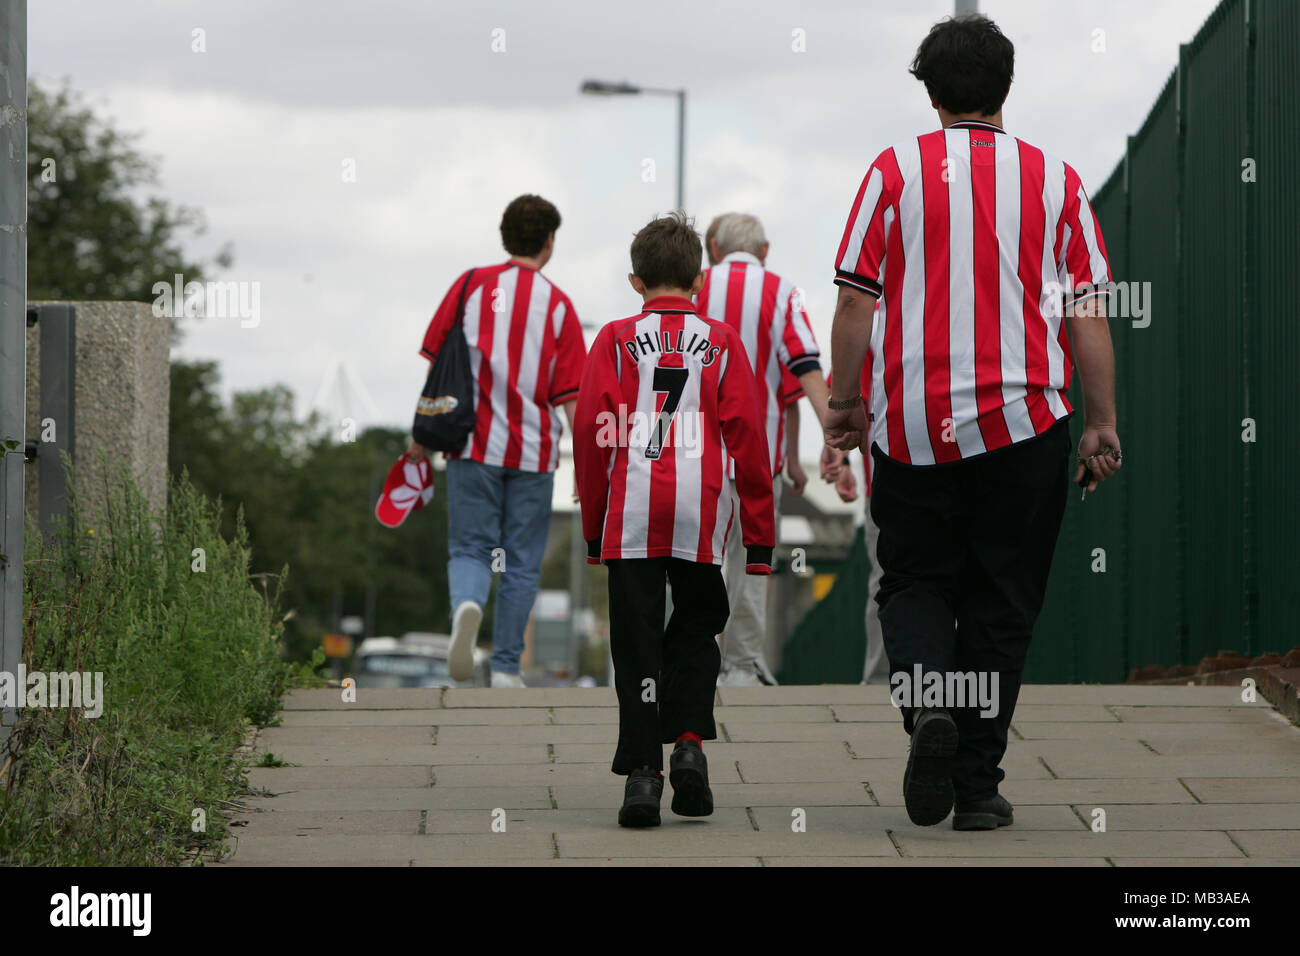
681	150
13	331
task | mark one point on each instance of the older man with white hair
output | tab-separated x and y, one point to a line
768	313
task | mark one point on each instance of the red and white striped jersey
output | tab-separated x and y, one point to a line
974	240
768	314
525	354
665	394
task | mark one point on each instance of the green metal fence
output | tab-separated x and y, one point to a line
1199	530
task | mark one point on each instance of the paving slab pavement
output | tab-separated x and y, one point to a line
808	775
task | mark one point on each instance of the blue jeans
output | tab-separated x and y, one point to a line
489	508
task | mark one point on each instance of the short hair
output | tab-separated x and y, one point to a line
966	64
526	224
711	233
741	232
666	252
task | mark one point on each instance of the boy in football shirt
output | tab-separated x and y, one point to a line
666	395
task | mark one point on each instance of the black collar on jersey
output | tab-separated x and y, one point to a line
977	124
670	304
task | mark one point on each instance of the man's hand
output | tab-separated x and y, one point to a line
1100	449
798	477
846	484
1095	364
845	427
831	463
850	336
415	451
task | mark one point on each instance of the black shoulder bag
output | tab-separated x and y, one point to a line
445	414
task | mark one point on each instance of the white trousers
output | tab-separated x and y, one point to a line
745	635
875	669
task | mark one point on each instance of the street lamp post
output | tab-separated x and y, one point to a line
601	88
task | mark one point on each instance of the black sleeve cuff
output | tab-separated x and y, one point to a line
803	365
593	551
758	554
859	282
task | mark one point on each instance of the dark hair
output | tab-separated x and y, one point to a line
527	221
666	252
966	64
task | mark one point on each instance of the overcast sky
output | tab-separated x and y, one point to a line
445	127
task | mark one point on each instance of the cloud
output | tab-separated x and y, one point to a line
444	133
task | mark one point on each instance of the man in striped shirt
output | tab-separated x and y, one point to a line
526	351
978	247
767	311
667	396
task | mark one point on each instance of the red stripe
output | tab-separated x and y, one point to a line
767	390
1101	242
702	297
711	462
853	217
873	240
1040	413
629	382
1033	222
938	265
733	307
893	340
663	473
987	320
544	369
486	328
1077	260
735	300
1060	231
514	355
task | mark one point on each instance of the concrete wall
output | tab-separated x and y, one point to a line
123	382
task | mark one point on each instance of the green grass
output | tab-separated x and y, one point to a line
190	661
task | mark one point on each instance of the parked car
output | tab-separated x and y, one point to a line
414	660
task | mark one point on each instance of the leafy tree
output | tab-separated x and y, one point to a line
308	502
89	234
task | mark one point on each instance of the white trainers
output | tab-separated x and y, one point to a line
749	674
500	679
464	635
739	677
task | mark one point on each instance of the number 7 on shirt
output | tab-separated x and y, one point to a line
671	381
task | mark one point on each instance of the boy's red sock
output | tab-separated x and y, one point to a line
690	736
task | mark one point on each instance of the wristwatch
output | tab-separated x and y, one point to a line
841	404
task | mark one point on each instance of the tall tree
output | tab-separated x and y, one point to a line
92	233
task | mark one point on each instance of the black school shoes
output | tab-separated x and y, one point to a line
688	772
927	782
641	795
983	814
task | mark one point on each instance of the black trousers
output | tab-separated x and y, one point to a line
665	677
966	548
